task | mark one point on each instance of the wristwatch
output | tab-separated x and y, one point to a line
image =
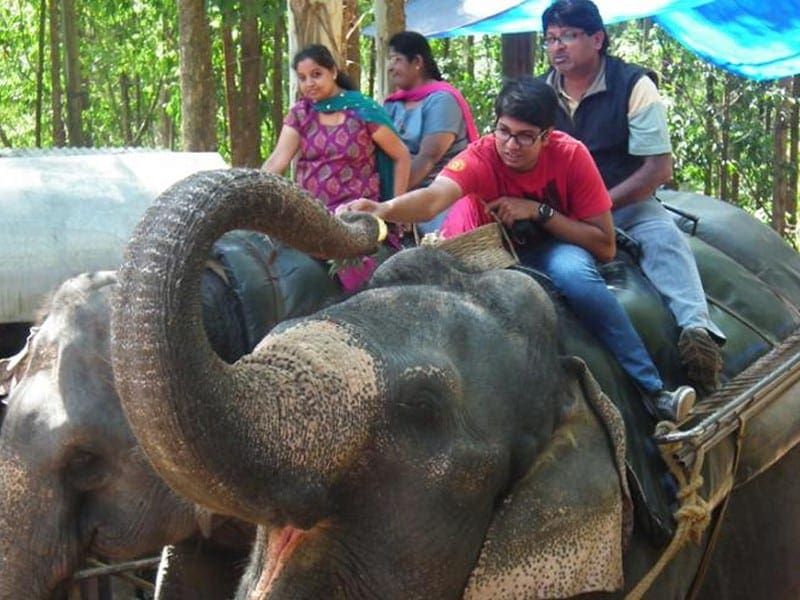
546	213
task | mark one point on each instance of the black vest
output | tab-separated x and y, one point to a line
601	122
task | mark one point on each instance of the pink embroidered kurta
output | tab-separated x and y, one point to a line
336	163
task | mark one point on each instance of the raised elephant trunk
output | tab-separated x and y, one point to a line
211	428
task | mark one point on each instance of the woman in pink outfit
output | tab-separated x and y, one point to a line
431	116
345	143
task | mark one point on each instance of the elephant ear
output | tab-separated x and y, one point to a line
562	528
13	369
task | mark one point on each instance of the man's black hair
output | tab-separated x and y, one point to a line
580	14
527	99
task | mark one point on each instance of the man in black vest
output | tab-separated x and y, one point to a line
614	108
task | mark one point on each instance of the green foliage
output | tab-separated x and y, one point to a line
481	85
722	127
18	58
134	41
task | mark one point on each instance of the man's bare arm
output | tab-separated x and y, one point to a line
640	185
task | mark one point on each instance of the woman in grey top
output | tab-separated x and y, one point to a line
431	116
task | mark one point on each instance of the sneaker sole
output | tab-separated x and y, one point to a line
701	357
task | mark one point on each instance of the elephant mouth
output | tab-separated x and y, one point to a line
281	545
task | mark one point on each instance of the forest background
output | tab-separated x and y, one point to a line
214	75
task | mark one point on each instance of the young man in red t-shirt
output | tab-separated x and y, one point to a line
526	171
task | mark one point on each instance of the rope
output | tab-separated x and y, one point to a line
713	537
692	517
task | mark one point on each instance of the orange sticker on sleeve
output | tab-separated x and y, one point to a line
457	164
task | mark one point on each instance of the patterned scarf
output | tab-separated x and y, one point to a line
370	111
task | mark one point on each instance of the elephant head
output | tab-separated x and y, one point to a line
73	481
373	441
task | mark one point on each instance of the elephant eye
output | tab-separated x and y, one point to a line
421	409
85	470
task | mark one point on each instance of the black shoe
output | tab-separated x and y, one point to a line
700	354
672	405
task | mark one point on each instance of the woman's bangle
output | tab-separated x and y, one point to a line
383	230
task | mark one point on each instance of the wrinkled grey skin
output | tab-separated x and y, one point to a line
383	454
372	442
73	481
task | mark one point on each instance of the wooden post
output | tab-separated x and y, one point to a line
390	18
517	52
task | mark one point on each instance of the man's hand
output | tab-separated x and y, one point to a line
509	209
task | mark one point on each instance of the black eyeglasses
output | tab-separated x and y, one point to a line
566	38
524	140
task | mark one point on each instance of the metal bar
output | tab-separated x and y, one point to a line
686	215
711	424
103	569
732	422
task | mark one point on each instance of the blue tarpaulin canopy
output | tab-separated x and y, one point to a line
757	39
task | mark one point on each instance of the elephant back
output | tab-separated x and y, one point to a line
752	282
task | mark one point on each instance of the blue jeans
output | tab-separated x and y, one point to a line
575	275
667	261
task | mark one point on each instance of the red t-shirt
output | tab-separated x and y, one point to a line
565	177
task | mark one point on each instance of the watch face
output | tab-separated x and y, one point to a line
545	211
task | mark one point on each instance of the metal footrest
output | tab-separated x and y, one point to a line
721	414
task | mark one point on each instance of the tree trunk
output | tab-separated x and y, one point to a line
724	170
4	138
198	107
469	55
276	77
372	69
165	132
59	134
125	108
315	22
711	136
780	165
351	23
75	92
794	140
40	73
517	52
242	99
250	141
735	176
390	18
233	103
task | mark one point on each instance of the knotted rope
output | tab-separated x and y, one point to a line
692	517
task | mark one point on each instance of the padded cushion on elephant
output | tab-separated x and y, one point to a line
273	282
745	240
550	540
754	300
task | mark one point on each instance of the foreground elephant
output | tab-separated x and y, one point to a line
421	439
